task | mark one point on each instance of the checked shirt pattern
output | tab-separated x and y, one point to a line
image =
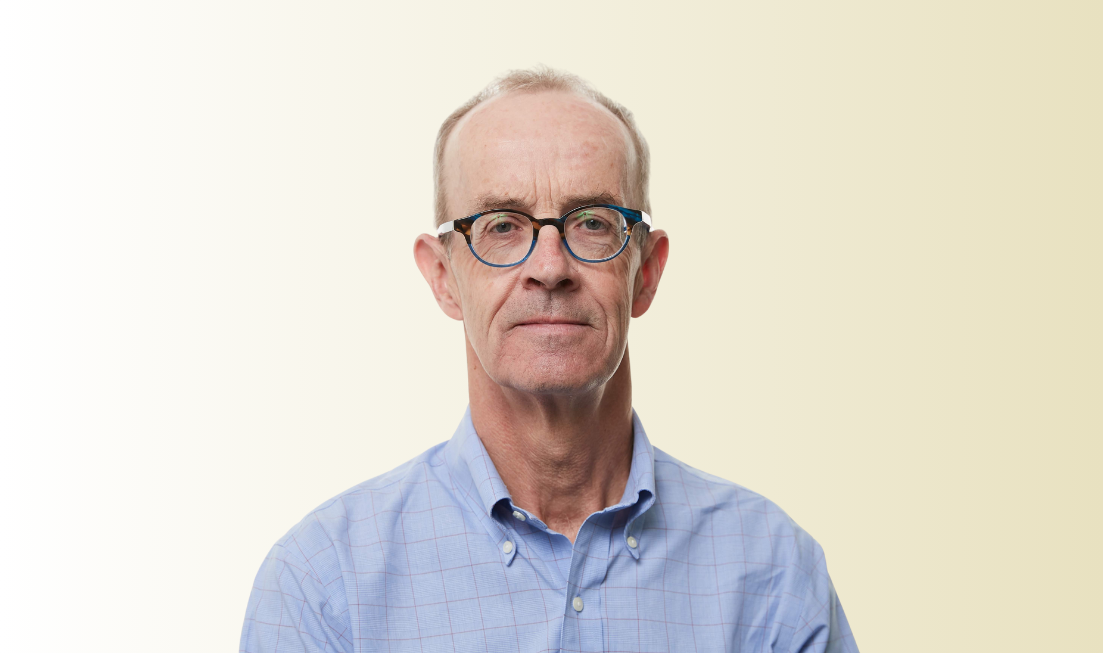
434	556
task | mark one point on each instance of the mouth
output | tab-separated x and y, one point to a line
551	326
551	322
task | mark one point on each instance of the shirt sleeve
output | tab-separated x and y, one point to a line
823	627
292	607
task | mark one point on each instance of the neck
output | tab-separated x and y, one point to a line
562	457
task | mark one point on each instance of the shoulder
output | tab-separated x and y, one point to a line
309	565
764	552
734	516
366	504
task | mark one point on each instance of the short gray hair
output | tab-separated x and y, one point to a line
543	78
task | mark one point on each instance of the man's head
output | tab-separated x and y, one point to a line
546	79
552	324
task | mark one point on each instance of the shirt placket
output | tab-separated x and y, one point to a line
583	630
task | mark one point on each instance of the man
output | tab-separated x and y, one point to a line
548	522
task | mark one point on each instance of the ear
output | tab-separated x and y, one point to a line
435	266
652	262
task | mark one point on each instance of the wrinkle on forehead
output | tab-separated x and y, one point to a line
535	147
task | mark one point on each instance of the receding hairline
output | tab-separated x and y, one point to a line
539	80
631	157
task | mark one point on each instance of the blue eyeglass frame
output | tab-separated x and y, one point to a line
632	217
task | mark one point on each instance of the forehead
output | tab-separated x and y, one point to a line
537	147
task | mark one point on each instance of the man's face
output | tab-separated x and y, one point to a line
552	324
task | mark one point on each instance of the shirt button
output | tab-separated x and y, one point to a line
518	515
577	604
632	543
507	548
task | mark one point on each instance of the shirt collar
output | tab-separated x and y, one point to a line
641	477
470	466
478	480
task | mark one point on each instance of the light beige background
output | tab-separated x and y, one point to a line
882	308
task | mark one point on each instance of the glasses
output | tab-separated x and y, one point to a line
503	238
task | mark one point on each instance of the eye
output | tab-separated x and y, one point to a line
501	224
590	222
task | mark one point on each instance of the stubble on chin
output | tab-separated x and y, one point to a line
556	370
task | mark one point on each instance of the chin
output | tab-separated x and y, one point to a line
557	376
559	387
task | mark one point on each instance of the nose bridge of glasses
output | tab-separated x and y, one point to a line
556	243
539	223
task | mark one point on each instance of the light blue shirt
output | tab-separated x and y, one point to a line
434	556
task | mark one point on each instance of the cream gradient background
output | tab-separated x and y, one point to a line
882	308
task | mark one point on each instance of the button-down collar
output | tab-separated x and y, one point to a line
478	481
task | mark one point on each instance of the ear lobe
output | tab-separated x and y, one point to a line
653	261
433	262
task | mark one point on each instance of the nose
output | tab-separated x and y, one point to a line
550	266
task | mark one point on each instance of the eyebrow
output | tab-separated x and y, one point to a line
491	201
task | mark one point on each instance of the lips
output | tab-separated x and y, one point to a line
551	321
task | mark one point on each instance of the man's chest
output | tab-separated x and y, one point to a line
680	592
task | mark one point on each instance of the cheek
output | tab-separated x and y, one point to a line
626	277
482	300
618	301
